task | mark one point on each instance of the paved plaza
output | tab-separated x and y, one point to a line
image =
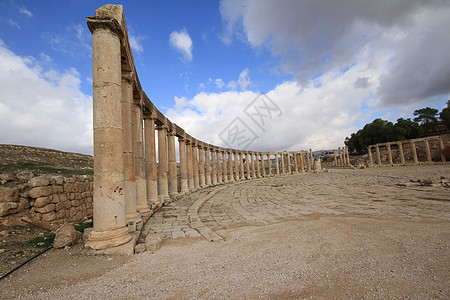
348	234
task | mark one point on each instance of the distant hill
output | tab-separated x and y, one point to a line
44	161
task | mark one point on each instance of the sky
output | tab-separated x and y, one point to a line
292	74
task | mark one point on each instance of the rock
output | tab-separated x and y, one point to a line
86	233
9	194
42	201
51	216
24	175
8	208
46	209
317	165
58	179
5	177
40	191
139	248
66	235
38	181
153	242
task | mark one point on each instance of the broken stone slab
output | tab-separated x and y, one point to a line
66	235
8	208
153	242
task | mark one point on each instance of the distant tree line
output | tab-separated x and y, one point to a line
381	131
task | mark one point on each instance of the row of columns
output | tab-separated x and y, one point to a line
412	143
341	157
131	178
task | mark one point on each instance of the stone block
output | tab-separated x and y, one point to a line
9	194
46	209
62	197
139	248
8	208
66	235
51	216
38	181
153	242
41	202
40	191
67	204
57	189
75	203
60	214
58	179
73	212
59	206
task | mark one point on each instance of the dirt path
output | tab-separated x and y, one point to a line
364	236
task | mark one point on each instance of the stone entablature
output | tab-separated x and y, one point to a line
407	151
129	184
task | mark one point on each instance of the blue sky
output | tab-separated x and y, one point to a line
329	67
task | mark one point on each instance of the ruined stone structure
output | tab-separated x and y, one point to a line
408	147
129	184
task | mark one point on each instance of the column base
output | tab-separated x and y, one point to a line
143	209
174	196
134	217
99	240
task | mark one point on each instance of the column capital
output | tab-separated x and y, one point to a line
161	126
103	22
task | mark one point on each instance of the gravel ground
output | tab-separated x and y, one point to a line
393	251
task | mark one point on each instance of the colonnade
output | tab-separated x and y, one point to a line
131	177
400	146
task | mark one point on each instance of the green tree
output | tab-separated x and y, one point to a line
406	129
445	115
426	115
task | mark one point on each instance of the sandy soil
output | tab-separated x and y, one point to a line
386	254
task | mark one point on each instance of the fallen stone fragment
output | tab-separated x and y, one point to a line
66	235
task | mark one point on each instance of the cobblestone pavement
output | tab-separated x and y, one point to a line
386	192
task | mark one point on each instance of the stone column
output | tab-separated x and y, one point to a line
219	167
214	167
230	167
190	167
388	146
108	200
163	167
348	156
282	163
183	166
310	163
128	152
369	150
341	162
224	167
247	166
302	161
377	148
441	147
277	164
427	150
269	164
335	158
241	165
414	152
173	173
258	165
295	162
236	166
151	167
263	165
402	154
141	184
195	165
201	166
208	166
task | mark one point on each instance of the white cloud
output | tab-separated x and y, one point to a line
217	82
315	37
25	11
182	42
244	80
12	23
135	43
42	108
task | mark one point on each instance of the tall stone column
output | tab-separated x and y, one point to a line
283	167
302	161
214	166
369	150
252	155
377	148
173	176
190	167
258	165
295	162
341	163
108	200
310	163
141	181
344	156
241	165
195	165
208	166
388	146
402	154
427	150
236	166
269	164
263	165
414	152
441	148
335	158
128	152
224	167
230	167
348	156
201	166
277	164
219	167
247	165
151	167
163	167
183	166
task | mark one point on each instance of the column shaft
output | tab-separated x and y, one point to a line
369	150
195	166
214	167
173	173
414	152
402	154
208	166
190	168
183	166
427	150
377	148
219	167
388	146
151	167
201	166
236	166
163	167
230	167
442	149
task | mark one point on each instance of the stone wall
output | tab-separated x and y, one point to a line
48	199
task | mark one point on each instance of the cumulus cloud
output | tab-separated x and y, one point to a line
182	42
312	38
42	107
244	80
